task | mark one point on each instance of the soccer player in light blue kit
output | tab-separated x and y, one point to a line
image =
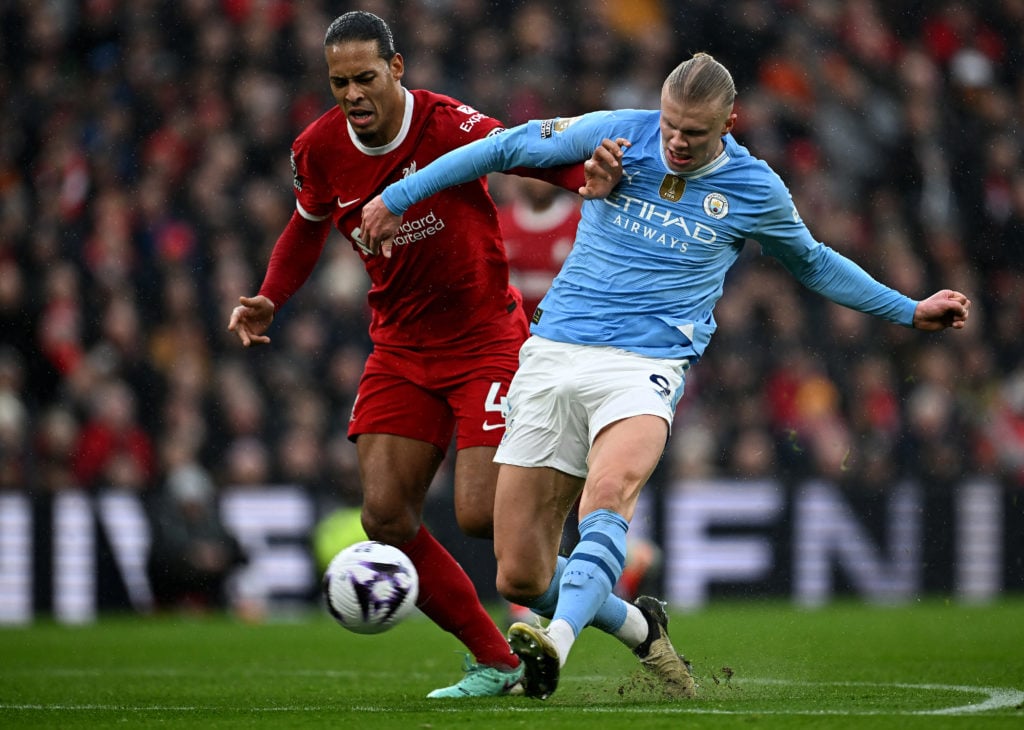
631	310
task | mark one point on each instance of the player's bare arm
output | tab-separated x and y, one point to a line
945	308
251	318
603	170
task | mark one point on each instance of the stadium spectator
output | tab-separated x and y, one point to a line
14	425
192	554
433	316
246	462
113	450
53	442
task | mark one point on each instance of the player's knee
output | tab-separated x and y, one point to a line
520	586
476	524
612	492
388	525
474	508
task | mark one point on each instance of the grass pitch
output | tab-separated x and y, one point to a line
930	664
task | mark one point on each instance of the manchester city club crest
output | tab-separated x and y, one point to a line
716	205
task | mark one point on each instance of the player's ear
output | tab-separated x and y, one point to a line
730	122
397	66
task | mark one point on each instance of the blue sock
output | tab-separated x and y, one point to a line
592	571
544	604
609	617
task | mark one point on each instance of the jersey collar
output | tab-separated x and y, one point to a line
715	164
399	138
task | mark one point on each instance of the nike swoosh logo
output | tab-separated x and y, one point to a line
492	426
348	202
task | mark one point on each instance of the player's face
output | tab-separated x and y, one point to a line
691	134
368	89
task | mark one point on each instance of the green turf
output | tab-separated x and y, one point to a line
931	664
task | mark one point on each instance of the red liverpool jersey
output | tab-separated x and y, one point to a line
446	285
537	244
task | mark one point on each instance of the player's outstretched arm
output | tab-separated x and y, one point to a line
251	318
603	170
945	308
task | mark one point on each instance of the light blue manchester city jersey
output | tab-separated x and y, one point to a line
649	262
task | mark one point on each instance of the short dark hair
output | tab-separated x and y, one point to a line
360	25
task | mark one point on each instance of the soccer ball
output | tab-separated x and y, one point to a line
370	587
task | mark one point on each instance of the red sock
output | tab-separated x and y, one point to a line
447	596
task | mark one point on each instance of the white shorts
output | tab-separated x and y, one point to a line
563	395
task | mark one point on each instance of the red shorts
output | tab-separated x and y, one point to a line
428	398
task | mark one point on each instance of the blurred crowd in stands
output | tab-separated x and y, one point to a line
144	178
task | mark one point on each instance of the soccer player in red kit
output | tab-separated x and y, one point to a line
538	226
445	323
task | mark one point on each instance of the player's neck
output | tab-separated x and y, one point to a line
393	127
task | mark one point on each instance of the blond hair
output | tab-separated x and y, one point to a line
701	79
